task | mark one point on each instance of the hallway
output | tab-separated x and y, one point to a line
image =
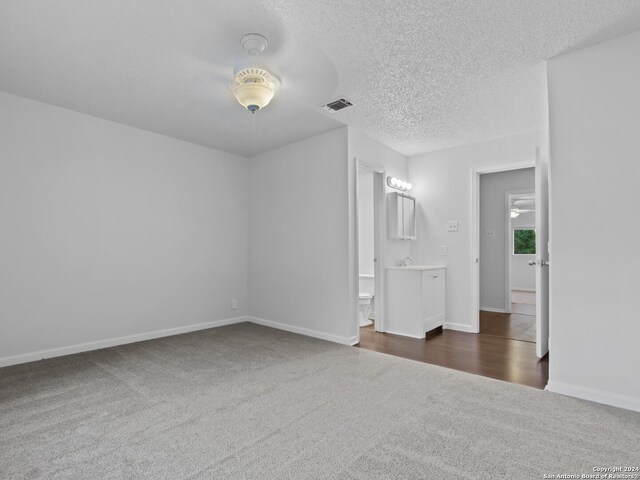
518	325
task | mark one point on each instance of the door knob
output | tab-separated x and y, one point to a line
542	263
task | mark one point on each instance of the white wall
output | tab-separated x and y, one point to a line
376	155
595	152
442	185
493	234
298	249
523	276
110	231
366	251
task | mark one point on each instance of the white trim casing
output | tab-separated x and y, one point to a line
353	249
380	245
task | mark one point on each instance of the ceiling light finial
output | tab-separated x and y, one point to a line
254	44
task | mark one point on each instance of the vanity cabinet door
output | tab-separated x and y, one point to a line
433	299
404	303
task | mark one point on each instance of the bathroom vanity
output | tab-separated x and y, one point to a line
415	299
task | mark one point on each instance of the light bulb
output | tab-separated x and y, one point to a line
409	186
394	181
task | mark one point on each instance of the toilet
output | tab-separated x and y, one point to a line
364	308
365	299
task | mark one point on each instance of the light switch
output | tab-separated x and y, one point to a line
491	234
443	250
452	226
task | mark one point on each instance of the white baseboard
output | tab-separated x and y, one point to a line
599	396
494	310
521	289
403	334
354	341
112	342
460	327
300	330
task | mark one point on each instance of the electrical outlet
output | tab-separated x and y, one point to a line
443	250
491	234
452	226
234	304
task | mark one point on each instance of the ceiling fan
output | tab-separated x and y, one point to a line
253	87
522	205
300	74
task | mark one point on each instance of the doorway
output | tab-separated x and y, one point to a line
521	253
539	262
370	248
507	244
474	352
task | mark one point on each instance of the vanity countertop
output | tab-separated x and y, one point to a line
418	267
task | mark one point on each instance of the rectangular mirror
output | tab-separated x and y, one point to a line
402	216
409	217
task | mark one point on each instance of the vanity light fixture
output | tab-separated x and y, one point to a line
398	184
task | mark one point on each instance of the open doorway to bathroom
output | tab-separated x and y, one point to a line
476	350
370	247
507	244
366	245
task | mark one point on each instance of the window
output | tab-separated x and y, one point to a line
524	241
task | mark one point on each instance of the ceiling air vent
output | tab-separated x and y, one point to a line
336	105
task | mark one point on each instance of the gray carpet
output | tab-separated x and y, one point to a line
249	402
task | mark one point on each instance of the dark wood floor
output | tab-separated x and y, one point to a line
515	326
483	354
520	324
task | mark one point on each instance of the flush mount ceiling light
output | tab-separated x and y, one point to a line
398	184
254	87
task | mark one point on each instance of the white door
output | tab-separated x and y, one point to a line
541	263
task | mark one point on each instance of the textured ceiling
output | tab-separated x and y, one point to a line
423	75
